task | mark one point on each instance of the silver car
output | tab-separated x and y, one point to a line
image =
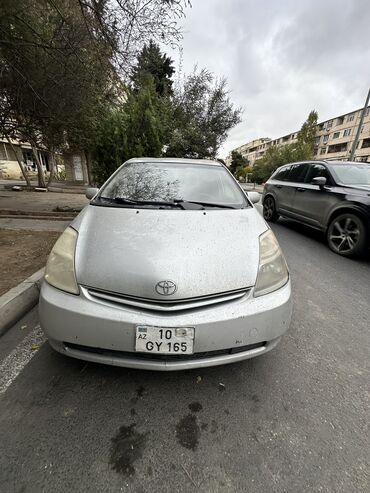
169	267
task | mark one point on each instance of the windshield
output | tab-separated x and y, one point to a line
173	182
352	174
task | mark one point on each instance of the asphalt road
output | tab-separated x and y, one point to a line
294	420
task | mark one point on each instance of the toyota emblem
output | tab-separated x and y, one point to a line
166	288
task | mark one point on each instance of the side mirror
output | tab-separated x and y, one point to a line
319	180
91	192
254	197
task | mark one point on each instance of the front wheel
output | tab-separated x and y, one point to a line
346	235
269	210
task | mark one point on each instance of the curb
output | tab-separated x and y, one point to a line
42	218
19	300
56	213
79	191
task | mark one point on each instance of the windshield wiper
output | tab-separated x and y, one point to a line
122	200
204	204
183	204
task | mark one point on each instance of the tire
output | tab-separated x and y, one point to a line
346	235
269	210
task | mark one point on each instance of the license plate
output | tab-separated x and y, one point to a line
164	340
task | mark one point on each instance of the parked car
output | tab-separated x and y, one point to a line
169	267
332	196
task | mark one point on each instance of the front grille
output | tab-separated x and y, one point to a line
162	357
166	305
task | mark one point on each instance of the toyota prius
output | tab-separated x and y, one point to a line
169	267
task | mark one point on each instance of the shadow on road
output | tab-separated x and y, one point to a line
315	235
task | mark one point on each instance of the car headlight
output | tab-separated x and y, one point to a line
60	267
272	271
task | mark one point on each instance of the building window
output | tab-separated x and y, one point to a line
340	120
329	124
317	141
350	117
367	112
323	150
28	159
336	135
337	148
325	138
365	143
347	132
362	129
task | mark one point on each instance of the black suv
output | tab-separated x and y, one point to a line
332	196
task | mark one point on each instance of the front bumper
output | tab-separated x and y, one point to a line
75	325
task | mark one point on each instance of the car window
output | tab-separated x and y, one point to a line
352	173
298	172
174	181
282	175
316	170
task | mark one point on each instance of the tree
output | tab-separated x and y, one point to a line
307	136
151	62
276	156
110	148
202	115
145	129
62	61
134	130
53	72
237	161
7	131
126	24
242	172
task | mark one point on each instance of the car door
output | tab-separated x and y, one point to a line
295	179
312	202
281	188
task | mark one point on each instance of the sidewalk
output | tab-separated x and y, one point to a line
12	202
12	183
31	224
251	187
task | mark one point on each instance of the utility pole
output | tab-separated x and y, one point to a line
352	155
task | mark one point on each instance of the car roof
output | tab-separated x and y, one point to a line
323	161
338	163
173	160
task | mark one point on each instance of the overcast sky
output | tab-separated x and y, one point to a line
282	58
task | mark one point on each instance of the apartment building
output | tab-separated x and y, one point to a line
72	164
334	140
252	150
9	167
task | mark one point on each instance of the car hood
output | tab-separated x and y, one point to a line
363	189
128	251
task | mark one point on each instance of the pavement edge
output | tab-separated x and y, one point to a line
19	300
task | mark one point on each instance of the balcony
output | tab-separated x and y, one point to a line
337	148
